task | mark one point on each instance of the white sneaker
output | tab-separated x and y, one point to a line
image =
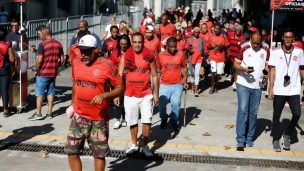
234	86
229	78
123	123
117	124
132	149
147	152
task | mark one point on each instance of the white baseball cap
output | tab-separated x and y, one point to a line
87	41
150	27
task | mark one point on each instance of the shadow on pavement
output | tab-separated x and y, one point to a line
283	125
26	133
262	125
61	96
133	164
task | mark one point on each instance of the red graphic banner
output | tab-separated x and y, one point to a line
289	5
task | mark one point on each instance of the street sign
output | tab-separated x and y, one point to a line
287	5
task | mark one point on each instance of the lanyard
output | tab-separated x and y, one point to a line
287	63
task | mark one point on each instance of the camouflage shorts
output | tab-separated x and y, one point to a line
96	133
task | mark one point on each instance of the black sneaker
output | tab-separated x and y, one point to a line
286	142
276	146
163	124
6	114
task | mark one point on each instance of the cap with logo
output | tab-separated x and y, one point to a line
87	42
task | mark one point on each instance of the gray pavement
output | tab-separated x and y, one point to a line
210	128
19	161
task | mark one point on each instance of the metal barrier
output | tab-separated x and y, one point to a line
65	28
34	39
59	30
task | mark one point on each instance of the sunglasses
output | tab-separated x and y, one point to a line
86	51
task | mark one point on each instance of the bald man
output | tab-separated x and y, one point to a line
249	64
84	26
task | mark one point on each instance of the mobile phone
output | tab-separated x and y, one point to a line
250	67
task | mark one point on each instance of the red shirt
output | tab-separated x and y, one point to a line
166	30
115	58
205	38
196	57
188	32
235	44
217	40
50	50
138	82
209	25
142	29
91	81
171	67
153	45
181	45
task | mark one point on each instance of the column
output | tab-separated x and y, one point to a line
158	8
210	5
238	4
147	4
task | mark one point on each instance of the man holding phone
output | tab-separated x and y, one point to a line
250	64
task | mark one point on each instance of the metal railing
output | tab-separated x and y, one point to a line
65	28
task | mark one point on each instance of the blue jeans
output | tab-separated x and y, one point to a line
45	83
248	105
170	94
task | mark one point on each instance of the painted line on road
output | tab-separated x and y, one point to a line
6	135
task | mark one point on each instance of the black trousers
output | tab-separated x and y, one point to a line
278	105
5	75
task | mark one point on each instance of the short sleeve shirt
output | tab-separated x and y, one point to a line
138	82
171	67
166	31
153	45
91	81
50	51
217	40
256	59
278	60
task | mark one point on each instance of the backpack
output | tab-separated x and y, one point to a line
3	50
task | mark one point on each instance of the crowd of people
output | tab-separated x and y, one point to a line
133	72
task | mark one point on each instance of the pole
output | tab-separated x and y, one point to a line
21	23
272	21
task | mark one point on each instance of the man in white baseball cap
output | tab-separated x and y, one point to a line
91	75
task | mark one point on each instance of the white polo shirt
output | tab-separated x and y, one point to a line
250	58
277	59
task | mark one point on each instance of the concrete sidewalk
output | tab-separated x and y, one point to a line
210	127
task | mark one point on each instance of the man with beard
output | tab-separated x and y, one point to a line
93	77
110	44
151	41
286	64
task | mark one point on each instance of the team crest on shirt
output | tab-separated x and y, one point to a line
262	56
249	55
295	58
281	57
96	72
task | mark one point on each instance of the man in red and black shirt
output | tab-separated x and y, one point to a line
166	29
236	39
50	56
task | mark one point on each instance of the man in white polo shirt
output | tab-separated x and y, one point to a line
250	64
286	64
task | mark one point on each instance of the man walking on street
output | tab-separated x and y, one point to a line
286	64
172	65
93	78
139	64
49	57
249	63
